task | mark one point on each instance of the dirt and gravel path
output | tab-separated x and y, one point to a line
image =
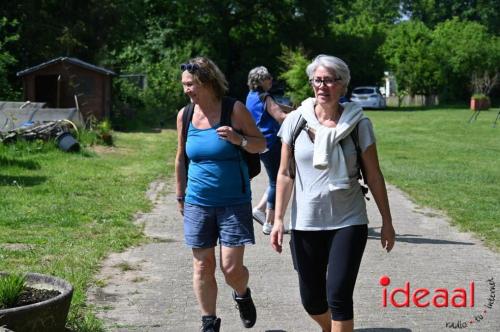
148	288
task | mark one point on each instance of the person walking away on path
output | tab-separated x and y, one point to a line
328	218
214	205
268	116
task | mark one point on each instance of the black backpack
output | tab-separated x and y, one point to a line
301	124
264	95
252	159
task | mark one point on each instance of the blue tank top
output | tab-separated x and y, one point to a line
214	177
268	126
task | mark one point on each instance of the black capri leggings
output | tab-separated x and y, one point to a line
327	263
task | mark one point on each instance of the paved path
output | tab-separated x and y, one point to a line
148	288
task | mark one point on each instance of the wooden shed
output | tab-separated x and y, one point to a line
69	82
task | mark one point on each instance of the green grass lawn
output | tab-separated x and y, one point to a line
61	213
444	162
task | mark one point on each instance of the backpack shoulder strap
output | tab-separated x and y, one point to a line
225	120
301	124
227	111
264	95
187	116
355	138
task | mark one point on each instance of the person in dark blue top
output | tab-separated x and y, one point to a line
214	206
268	116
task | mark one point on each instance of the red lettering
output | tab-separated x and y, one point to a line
405	291
417	297
443	296
461	294
384	297
471	285
440	299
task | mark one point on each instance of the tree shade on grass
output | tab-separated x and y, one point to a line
444	162
61	213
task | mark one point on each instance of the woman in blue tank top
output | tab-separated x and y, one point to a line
214	204
268	116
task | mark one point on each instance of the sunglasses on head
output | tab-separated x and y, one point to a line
190	67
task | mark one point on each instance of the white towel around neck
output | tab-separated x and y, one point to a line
327	150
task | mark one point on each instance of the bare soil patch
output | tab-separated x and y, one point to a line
33	295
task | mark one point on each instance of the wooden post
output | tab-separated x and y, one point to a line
76	103
58	102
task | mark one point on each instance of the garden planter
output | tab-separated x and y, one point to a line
479	104
46	316
107	139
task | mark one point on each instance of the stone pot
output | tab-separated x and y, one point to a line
46	316
479	104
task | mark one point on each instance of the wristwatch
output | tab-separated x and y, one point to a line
244	141
180	199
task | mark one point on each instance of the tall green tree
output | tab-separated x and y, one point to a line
465	51
409	54
295	62
7	36
357	35
51	28
433	12
237	35
162	95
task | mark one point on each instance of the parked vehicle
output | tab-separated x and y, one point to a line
283	100
368	97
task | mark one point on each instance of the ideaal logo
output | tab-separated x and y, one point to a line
462	297
440	298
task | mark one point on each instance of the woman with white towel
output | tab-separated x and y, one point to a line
328	220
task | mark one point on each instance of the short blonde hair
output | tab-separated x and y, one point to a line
206	72
256	76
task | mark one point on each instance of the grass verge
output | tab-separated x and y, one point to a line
444	162
61	213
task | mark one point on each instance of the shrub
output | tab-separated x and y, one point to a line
161	96
295	75
480	96
11	287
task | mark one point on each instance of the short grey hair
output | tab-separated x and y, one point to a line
256	76
332	64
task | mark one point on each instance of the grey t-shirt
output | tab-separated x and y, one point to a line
314	206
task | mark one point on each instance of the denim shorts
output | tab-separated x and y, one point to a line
232	225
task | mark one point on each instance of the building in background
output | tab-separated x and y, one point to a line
69	82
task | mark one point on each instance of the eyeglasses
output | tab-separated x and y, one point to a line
190	67
328	81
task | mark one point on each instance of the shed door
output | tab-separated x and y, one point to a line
46	89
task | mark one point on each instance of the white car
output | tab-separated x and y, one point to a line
368	97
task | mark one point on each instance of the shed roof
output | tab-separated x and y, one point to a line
74	61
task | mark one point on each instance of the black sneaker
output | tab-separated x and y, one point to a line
245	305
210	324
